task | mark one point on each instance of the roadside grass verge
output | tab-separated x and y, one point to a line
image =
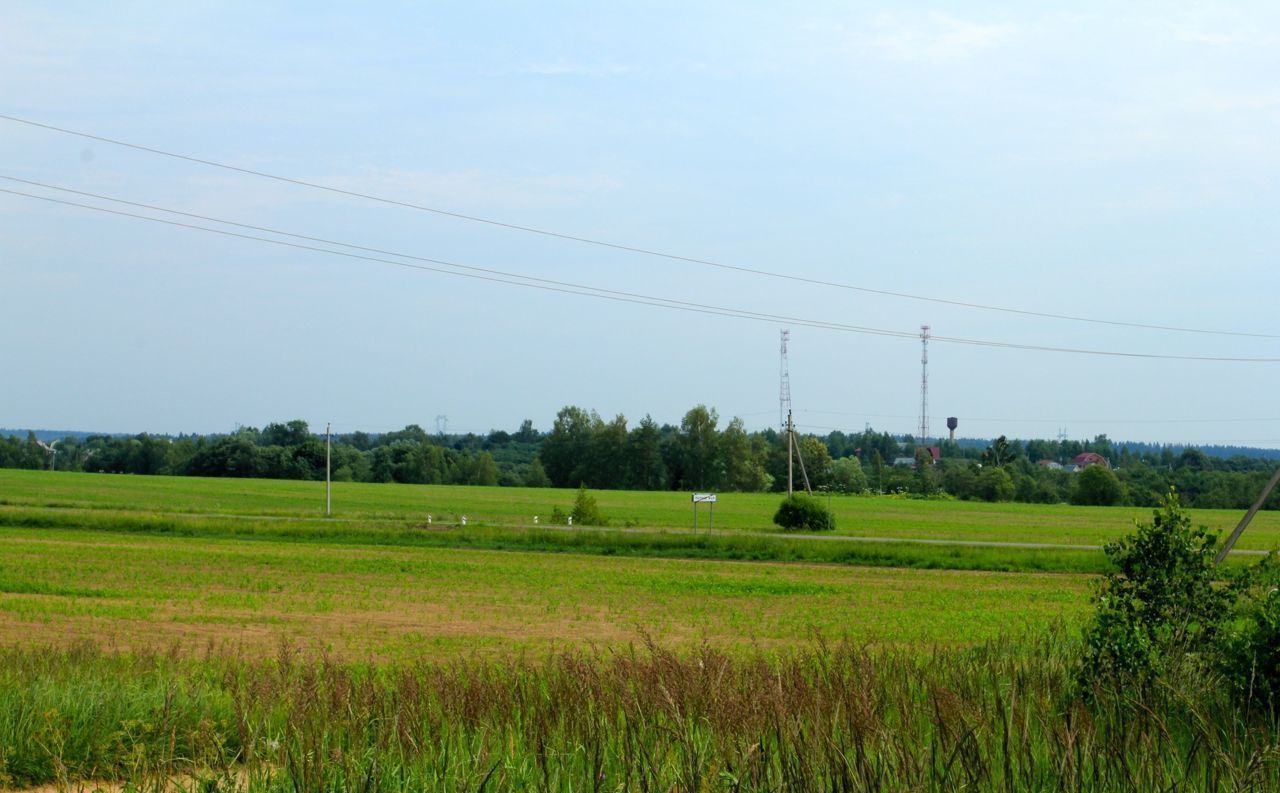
738	546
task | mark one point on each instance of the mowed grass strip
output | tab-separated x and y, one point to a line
862	516
633	542
132	592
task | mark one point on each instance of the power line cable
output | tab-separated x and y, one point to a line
497	276
626	248
565	285
1055	421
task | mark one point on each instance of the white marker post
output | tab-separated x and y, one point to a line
710	500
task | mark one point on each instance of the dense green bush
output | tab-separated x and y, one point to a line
1249	656
586	512
1167	614
801	512
1161	604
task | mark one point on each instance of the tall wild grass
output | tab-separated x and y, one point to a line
839	717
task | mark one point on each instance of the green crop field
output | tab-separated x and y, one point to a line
861	516
130	592
136	561
141	560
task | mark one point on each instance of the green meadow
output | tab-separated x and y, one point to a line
856	516
384	603
219	634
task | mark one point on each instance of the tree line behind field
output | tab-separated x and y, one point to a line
700	453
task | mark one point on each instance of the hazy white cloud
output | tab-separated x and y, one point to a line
562	68
1216	31
935	37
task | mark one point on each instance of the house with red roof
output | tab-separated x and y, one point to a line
1090	458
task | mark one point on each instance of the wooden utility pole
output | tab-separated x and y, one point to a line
803	473
791	451
1248	516
328	484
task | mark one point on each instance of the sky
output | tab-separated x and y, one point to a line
1112	163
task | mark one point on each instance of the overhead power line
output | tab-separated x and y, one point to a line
516	279
1053	421
623	247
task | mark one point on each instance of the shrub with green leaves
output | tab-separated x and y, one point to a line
1250	642
1161	605
800	512
586	512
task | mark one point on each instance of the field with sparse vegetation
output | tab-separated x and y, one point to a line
224	635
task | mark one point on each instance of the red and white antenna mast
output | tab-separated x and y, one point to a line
923	438
784	385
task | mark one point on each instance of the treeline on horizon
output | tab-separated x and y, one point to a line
698	454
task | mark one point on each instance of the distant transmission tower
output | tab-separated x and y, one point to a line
442	424
923	437
784	386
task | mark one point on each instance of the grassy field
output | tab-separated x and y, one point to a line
222	635
144	562
856	516
133	592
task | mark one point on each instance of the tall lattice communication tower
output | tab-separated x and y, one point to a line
784	385
923	437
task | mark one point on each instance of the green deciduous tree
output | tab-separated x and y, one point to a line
743	467
847	475
994	484
926	478
699	447
1098	486
293	433
1000	453
645	467
817	460
565	448
607	455
536	475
